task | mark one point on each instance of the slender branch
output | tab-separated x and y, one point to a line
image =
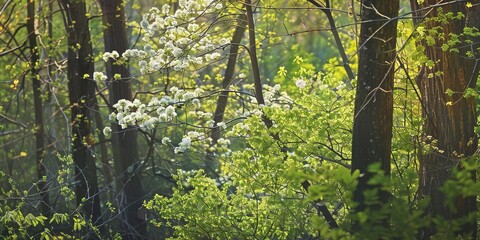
3	117
328	12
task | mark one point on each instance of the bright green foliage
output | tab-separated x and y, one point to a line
208	211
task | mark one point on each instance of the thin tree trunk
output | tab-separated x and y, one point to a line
82	94
38	106
450	119
319	206
211	164
124	142
372	127
252	51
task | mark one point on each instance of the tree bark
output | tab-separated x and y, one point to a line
372	127
38	106
450	118
124	142
81	90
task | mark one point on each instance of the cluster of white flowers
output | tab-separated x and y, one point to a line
276	99
113	55
189	139
180	95
200	114
242	75
131	113
166	140
196	135
99	76
223	143
183	42
107	131
184	145
273	98
300	83
136	113
222	125
185	177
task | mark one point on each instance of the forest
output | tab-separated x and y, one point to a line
249	119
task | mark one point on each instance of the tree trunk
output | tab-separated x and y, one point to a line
372	127
124	142
450	118
211	164
82	93
38	106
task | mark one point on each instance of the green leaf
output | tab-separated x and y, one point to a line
449	92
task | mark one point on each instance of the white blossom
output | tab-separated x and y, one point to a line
184	145
196	103
107	131
166	140
222	125
277	87
300	83
99	76
223	143
183	42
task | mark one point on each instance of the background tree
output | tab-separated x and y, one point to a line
81	88
38	106
124	142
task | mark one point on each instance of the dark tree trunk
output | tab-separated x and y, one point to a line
81	90
252	51
125	151
450	119
38	106
372	128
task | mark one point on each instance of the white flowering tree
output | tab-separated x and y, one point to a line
261	150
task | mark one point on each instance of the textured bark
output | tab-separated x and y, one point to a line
38	106
82	94
124	142
372	128
450	125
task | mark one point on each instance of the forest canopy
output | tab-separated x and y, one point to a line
251	119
